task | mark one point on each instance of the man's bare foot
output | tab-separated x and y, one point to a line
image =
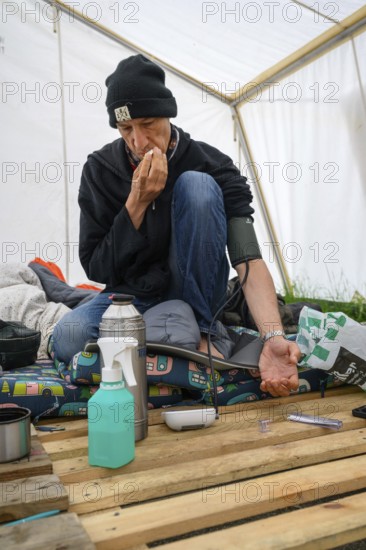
203	347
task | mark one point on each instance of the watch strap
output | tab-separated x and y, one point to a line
271	334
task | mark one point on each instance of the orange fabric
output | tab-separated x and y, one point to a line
58	273
89	287
52	267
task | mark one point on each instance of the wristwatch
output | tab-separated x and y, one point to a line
272	333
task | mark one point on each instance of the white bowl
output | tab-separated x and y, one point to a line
189	420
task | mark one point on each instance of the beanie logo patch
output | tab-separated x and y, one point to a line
122	113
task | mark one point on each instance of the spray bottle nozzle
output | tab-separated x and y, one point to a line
117	359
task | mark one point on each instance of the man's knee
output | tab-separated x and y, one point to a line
198	189
70	335
72	330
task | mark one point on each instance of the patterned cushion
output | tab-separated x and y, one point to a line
51	388
40	389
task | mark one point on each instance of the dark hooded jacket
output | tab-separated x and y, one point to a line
135	261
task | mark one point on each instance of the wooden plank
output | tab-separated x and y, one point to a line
276	410
63	531
336	392
217	505
156	418
38	463
169	463
174	451
324	526
241	417
174	479
74	428
20	498
77	426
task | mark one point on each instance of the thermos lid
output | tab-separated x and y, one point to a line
122	299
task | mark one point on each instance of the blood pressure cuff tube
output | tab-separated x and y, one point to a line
242	241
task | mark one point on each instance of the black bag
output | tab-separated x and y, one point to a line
237	312
18	345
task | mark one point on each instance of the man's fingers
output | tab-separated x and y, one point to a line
145	164
294	383
295	353
279	388
158	171
274	388
150	177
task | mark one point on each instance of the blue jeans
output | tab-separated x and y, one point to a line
197	261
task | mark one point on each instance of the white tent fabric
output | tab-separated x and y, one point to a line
310	153
306	133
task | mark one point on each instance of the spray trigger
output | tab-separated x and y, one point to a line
124	358
117	355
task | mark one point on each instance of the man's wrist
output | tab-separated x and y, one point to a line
272	334
136	210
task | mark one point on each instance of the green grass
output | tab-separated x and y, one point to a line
304	290
356	310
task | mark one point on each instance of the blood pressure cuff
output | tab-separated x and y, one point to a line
242	241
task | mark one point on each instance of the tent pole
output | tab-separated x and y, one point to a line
261	199
64	153
96	26
326	41
330	39
315	11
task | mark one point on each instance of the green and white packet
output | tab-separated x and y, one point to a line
334	343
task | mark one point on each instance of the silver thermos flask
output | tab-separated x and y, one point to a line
121	320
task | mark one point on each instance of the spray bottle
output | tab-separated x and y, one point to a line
111	429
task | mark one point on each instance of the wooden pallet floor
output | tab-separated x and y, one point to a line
286	488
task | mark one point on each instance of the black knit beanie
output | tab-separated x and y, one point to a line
137	89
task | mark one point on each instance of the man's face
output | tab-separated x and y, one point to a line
142	134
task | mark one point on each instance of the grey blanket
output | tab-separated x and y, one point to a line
23	299
58	291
